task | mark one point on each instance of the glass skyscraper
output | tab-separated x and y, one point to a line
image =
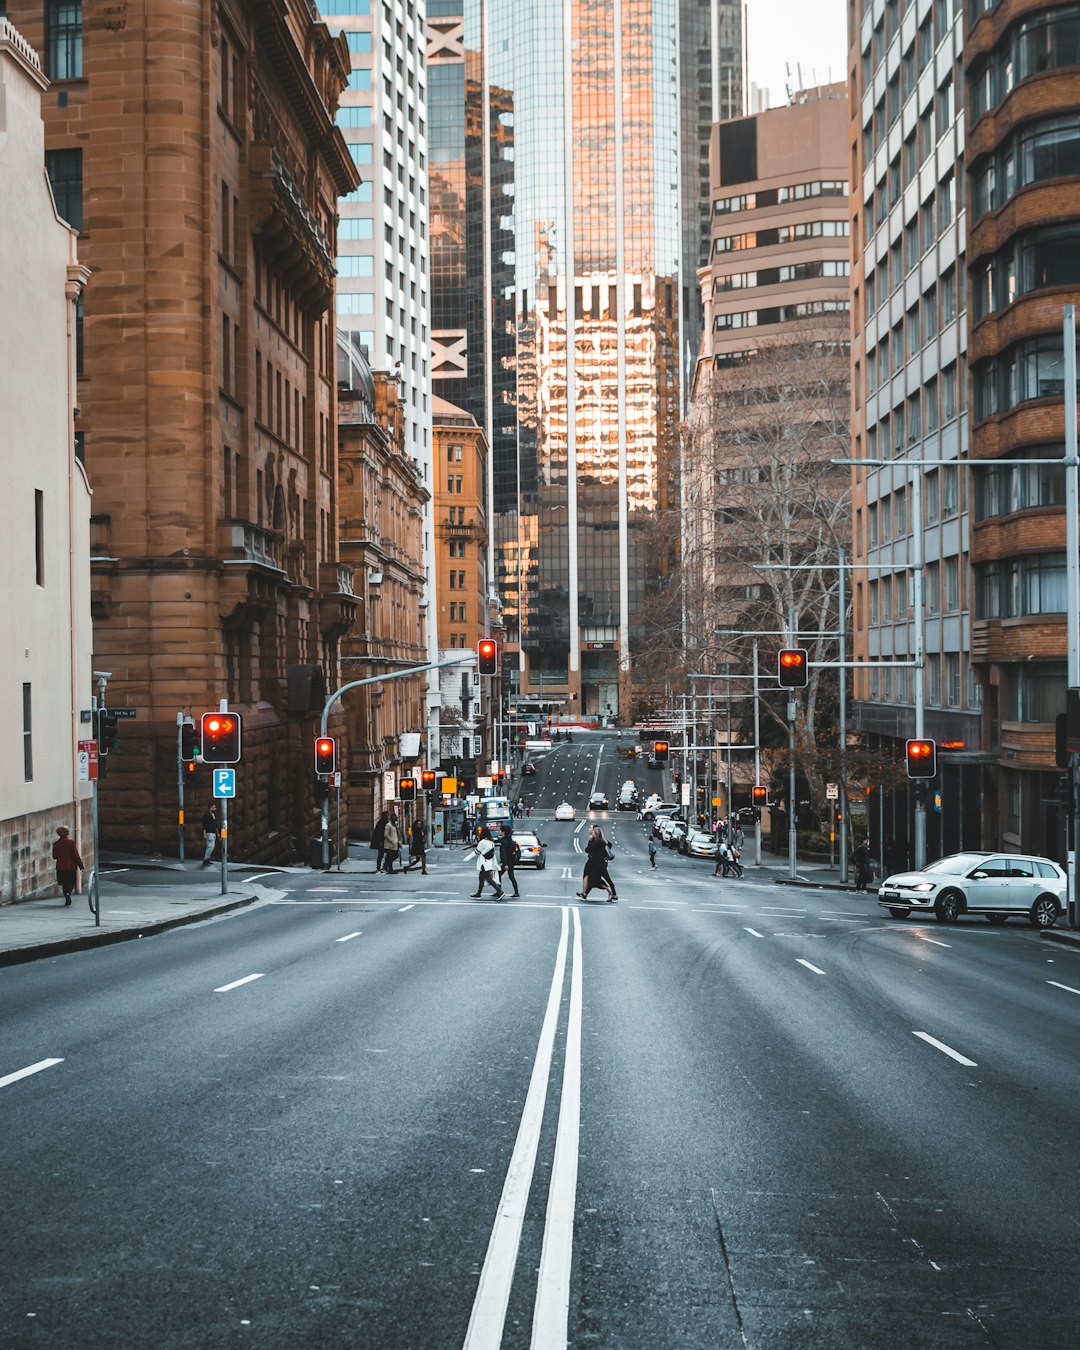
567	141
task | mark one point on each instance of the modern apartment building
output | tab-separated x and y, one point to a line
1022	66
910	411
194	149
583	134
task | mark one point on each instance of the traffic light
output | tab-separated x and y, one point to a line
189	742
791	667
660	751
1063	790
427	779
325	754
221	737
922	759
487	656
759	795
407	789
107	736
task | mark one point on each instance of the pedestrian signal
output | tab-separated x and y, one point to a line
759	795
660	751
922	759
325	754
427	779
791	667
407	789
221	737
487	656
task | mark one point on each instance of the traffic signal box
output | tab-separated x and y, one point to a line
221	737
759	796
792	668
189	742
407	789
325	754
487	656
660	751
921	759
107	735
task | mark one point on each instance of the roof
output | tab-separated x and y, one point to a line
441	409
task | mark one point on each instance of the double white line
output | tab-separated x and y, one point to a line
552	1305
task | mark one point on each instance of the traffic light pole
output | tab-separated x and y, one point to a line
180	780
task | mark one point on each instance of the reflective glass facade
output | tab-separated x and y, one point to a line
577	261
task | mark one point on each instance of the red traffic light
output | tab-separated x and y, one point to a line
407	789
427	779
759	795
791	667
221	737
660	751
921	759
487	656
325	754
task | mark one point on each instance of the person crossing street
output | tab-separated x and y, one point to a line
485	865
509	856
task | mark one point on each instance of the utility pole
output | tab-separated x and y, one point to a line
1072	584
842	673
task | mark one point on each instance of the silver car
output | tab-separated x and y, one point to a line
993	884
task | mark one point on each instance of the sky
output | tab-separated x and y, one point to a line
811	33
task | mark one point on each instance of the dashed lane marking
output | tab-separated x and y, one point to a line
1067	987
945	1049
753	932
30	1069
405	907
809	966
348	937
224	988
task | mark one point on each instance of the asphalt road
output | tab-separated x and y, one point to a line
371	1112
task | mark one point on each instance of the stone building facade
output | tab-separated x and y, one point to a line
382	501
194	146
45	504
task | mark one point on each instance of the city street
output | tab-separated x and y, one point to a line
369	1111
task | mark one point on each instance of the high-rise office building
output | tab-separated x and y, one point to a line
579	150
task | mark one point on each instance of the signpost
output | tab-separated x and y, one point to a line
224	788
88	761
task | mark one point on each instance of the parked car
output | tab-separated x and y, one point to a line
648	812
698	844
533	850
598	801
564	811
671	831
993	884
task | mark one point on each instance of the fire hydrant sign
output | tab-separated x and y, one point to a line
88	761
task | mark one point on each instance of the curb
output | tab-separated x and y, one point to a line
846	888
1063	939
16	956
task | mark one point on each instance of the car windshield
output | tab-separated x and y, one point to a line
526	839
956	862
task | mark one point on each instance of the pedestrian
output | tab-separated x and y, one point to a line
509	857
210	832
652	851
391	844
528	810
727	861
598	853
466	832
862	865
376	841
418	845
737	836
485	865
68	862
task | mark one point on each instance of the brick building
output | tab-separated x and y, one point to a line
1022	63
194	148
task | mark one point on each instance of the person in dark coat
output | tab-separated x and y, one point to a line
418	845
68	862
378	834
210	832
509	853
862	865
596	866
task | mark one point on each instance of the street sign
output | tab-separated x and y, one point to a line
224	782
123	712
335	779
389	785
537	745
483	781
685	794
448	787
88	761
832	792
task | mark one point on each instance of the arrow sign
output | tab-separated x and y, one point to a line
224	782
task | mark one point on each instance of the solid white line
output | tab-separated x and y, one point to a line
940	1045
816	969
405	907
753	932
596	775
1067	987
259	876
224	988
780	909
493	1292
933	940
347	938
30	1068
579	826
551	1310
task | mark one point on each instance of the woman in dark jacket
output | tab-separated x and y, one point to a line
68	862
596	866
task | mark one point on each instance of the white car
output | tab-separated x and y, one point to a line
533	852
700	845
670	831
564	811
993	884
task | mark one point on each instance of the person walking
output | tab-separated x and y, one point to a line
862	865
418	846
598	853
377	841
485	865
509	856
727	861
652	851
210	832
391	844
68	862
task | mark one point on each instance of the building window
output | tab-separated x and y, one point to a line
933	588
28	734
63	39
1036	153
39	537
952	585
1037	261
1001	490
933	680
64	168
1018	587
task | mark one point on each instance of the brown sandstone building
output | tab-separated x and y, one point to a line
193	145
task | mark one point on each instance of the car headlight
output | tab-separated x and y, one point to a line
923	886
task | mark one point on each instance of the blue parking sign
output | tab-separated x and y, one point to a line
224	782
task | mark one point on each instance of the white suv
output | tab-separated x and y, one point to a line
993	884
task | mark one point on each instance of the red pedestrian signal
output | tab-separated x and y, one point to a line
487	656
791	667
427	779
325	754
660	751
407	789
759	795
922	759
221	737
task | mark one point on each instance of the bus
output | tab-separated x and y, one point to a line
494	810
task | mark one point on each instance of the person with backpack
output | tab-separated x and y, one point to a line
485	865
509	857
727	861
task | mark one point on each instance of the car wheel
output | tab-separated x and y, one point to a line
899	913
996	918
1044	912
949	907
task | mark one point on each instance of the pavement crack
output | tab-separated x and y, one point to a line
727	1267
